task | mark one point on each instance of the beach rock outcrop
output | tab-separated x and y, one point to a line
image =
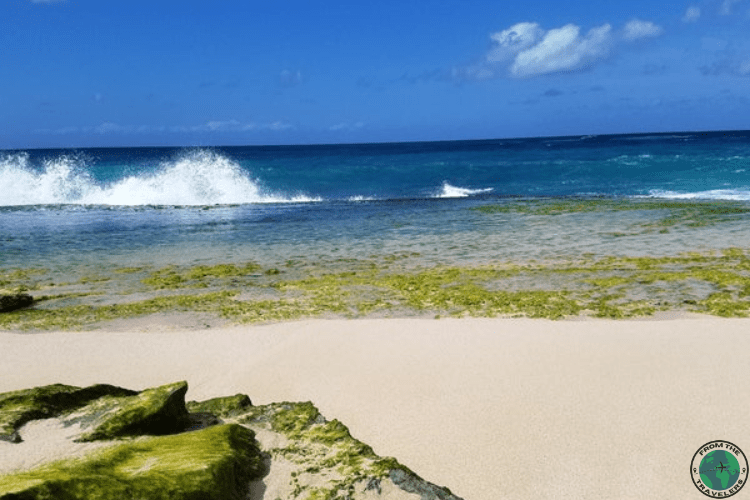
222	407
154	412
216	463
152	445
19	407
12	301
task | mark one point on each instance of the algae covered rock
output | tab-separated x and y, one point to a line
154	446
321	459
157	411
13	301
222	407
217	463
19	407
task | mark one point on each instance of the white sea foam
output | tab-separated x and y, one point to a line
713	194
449	191
198	178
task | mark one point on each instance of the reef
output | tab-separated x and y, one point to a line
641	280
152	444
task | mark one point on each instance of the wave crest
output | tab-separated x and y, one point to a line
449	191
197	178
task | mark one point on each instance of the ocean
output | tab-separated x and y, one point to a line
61	208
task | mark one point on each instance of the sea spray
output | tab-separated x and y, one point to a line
196	178
449	191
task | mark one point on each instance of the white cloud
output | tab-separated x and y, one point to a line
692	14
563	49
637	29
532	51
510	42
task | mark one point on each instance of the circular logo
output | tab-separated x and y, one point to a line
719	469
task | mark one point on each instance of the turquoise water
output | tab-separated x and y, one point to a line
127	206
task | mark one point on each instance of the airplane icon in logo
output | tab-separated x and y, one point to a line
722	467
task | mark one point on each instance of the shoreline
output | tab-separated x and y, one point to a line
519	408
386	286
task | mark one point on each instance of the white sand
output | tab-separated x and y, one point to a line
492	408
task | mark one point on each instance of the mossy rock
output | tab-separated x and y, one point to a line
11	302
19	407
222	407
217	463
318	448
156	411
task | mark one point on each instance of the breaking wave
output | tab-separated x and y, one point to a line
449	191
197	178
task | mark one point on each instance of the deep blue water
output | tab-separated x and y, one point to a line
233	202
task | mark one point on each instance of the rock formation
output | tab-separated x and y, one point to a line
12	301
153	445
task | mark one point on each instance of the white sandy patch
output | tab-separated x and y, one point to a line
491	408
44	441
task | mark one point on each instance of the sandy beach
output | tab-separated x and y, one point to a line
491	408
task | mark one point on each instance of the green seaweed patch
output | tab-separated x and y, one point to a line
197	276
167	278
77	316
129	270
688	214
93	279
613	307
155	411
455	291
227	406
222	270
215	463
323	448
19	407
724	304
269	310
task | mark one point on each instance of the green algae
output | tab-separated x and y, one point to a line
324	448
394	285
197	276
77	316
671	214
227	406
216	463
155	411
128	270
724	304
19	407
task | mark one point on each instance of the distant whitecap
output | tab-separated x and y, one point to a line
713	194
449	191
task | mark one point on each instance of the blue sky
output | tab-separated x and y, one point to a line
76	73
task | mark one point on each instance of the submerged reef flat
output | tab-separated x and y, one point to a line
609	258
715	282
223	448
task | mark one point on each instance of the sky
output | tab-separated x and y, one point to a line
87	73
